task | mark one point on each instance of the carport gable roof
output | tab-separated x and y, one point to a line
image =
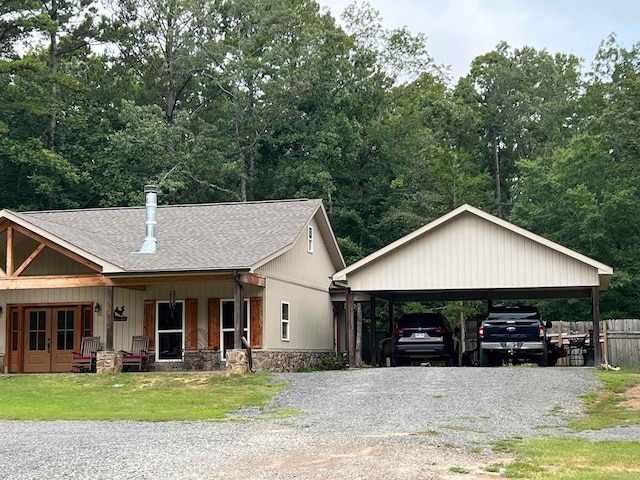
469	254
203	237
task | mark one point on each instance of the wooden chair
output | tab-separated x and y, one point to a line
85	361
139	354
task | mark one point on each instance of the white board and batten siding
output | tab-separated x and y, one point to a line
132	300
302	279
471	253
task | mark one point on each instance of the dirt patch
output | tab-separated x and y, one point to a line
191	380
396	461
633	396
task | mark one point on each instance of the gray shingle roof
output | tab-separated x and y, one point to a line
222	236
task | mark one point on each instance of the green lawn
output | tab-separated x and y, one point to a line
145	397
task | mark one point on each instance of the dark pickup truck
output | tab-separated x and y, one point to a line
514	335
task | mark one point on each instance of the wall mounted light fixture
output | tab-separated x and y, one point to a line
1	309
97	308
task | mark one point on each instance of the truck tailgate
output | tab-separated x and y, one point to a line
511	330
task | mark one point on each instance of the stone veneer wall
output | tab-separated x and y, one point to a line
285	361
193	361
262	360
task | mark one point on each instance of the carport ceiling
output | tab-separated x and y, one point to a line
469	254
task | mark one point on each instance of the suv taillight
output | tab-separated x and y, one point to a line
541	330
398	331
481	331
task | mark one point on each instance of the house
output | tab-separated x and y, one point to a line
184	275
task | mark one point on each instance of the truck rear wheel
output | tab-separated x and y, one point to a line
484	359
543	360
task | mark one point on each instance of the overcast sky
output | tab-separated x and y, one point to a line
459	30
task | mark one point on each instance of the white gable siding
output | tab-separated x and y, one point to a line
472	253
302	279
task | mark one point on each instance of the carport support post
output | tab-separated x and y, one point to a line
390	331
372	333
595	312
351	330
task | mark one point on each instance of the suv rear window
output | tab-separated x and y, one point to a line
423	320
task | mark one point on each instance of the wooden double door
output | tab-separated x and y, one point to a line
49	338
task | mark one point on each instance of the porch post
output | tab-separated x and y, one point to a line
390	332
109	317
351	330
372	333
238	312
595	313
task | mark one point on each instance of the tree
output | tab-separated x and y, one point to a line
525	103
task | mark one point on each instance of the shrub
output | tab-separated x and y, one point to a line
333	362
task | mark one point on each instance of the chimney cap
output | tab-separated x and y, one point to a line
150	189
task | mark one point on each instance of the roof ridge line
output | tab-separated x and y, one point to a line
137	207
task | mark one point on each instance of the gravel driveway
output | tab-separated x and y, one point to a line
399	423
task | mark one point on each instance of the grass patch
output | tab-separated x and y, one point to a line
605	409
432	433
147	397
459	470
494	468
575	458
571	458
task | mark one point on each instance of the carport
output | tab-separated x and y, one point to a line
469	254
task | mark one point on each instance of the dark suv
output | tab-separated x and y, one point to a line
423	336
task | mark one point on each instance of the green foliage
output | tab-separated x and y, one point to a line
333	362
242	100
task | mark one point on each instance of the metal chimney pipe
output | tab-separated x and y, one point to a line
151	204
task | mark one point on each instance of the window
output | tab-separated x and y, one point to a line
310	239
66	321
14	329
87	321
170	331
285	315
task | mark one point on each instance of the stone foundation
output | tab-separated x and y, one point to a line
193	361
285	361
237	362
108	362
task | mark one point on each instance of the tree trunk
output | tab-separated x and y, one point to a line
53	70
496	160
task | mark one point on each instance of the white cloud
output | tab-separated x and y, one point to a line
460	30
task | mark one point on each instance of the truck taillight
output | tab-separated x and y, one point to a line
481	331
